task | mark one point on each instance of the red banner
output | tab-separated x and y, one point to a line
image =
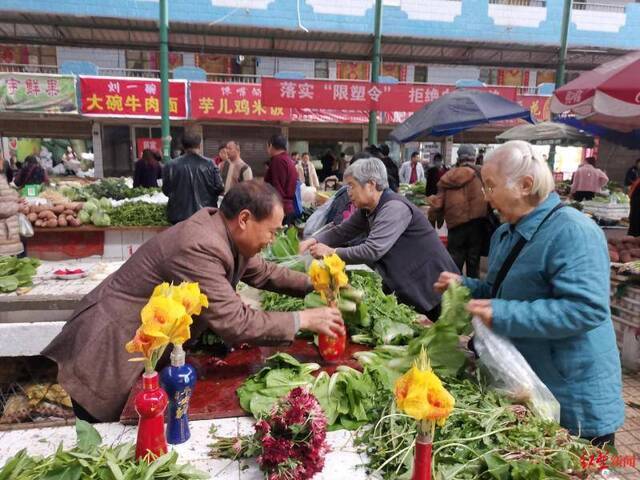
323	94
233	101
539	106
344	95
124	97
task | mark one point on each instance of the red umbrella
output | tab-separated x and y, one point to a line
607	96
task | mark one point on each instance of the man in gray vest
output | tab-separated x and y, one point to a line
401	245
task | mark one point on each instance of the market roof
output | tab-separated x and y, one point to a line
40	28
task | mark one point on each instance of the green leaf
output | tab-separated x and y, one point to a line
87	436
497	467
73	472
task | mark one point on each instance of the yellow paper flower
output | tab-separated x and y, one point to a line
144	344
420	394
188	294
334	263
319	276
160	316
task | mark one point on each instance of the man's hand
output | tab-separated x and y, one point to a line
481	309
320	250
445	279
306	244
325	320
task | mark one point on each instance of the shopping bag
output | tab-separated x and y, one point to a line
510	373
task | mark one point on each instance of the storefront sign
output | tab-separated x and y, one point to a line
539	106
124	97
154	144
233	101
35	93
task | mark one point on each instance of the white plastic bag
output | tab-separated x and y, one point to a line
24	226
317	220
511	374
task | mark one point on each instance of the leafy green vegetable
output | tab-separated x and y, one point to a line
113	188
16	272
139	214
284	250
91	461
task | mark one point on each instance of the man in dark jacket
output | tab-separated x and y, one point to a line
282	175
191	181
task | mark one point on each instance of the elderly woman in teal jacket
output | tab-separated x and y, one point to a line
553	302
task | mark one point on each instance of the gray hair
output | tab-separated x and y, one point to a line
368	170
516	159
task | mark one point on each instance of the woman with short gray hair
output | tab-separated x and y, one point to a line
547	290
401	245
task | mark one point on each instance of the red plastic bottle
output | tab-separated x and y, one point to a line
332	349
422	459
151	404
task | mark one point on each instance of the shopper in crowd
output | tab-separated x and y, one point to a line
191	181
234	170
329	166
30	173
307	172
216	248
632	174
295	156
7	171
634	213
401	244
587	180
461	204
147	170
222	155
434	174
552	299
282	175
412	171
393	174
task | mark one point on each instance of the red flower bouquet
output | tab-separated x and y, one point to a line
290	444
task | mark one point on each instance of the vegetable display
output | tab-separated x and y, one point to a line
89	460
284	250
624	250
16	273
113	188
139	214
51	216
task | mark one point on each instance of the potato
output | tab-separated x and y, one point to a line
32	217
69	212
635	252
73	222
39	223
46	214
51	223
625	256
62	220
614	256
58	209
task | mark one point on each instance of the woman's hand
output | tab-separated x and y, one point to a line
306	244
325	320
481	309
320	250
445	279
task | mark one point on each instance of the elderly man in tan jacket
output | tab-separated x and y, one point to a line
460	202
215	247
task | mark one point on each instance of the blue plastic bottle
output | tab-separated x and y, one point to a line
178	381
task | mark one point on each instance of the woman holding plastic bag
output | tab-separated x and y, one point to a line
547	290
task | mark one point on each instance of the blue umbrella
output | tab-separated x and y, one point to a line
457	111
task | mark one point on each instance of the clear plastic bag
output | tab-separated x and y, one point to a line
317	220
511	374
24	226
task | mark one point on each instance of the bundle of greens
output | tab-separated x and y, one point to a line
486	437
16	273
90	460
389	322
278	302
284	250
348	397
139	214
113	188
